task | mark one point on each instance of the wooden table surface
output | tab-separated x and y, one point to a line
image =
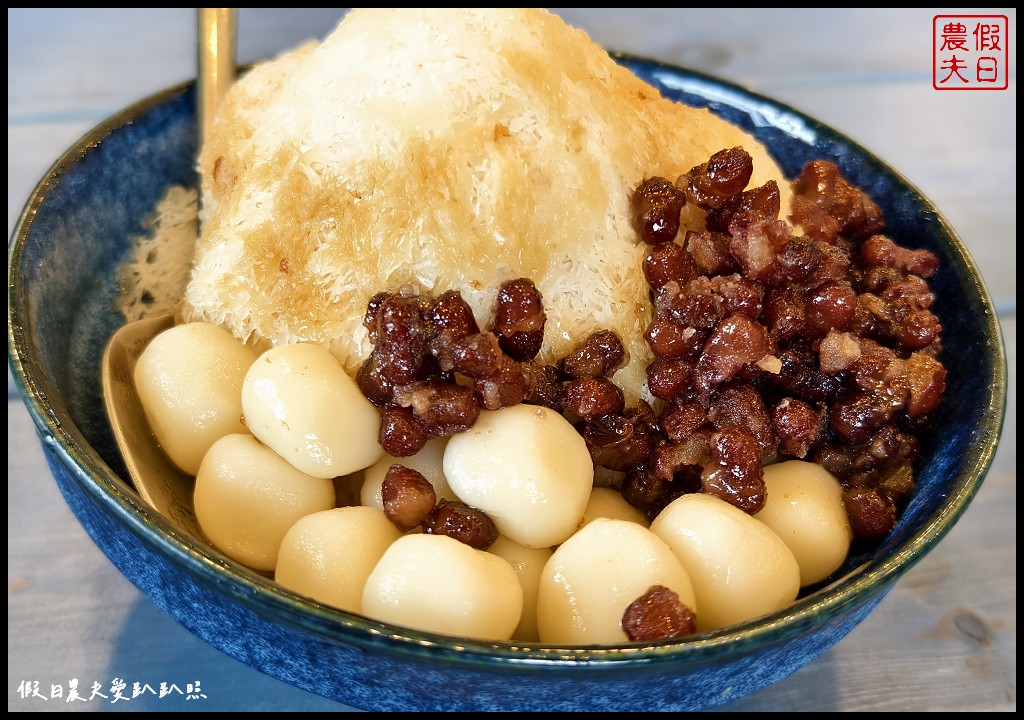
944	639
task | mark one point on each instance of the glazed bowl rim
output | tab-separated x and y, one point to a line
60	435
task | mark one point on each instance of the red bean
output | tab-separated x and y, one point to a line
590	398
478	355
505	387
441	408
401	433
665	262
669	379
872	513
599	355
656	205
658	614
797	425
880	250
739	404
821	183
544	386
734	471
736	342
402	339
672	457
462	522
407	496
620	441
519	319
723	176
710	252
830	307
681	420
668	339
764	201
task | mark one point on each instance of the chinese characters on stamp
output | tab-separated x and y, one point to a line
117	691
970	52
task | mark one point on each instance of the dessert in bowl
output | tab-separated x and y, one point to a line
217	598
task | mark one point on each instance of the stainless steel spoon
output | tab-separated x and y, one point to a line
158	481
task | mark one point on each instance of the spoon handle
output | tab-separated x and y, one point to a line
217	36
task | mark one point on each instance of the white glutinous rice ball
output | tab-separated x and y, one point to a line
329	554
739	567
246	499
596	574
529	564
608	503
189	380
805	508
528	468
300	402
439	584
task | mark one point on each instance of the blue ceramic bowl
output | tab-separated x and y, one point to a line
77	230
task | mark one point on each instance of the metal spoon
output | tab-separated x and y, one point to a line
158	481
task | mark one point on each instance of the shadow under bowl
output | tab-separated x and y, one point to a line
77	230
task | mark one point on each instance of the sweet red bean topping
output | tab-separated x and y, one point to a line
799	258
450	313
658	614
670	340
734	471
478	355
723	176
927	378
372	311
682	419
830	307
544	385
756	241
838	351
450	320
519	319
872	512
823	187
765	344
402	339
373	385
656	205
401	433
669	379
650	494
880	250
599	355
739	404
673	457
738	295
407	497
736	342
814	220
785	312
695	306
801	379
590	398
859	416
506	386
622	441
834	263
797	426
442	408
463	522
762	202
667	262
710	252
